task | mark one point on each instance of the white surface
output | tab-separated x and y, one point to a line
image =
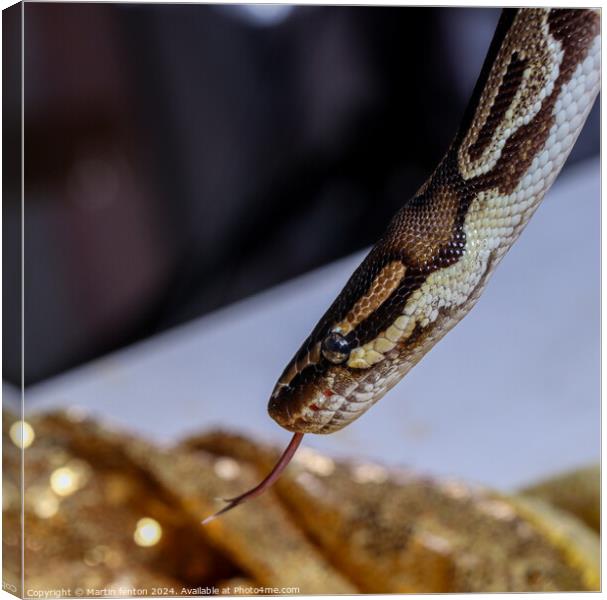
510	395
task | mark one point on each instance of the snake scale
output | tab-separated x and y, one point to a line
537	85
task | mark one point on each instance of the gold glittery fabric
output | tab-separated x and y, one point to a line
578	492
107	512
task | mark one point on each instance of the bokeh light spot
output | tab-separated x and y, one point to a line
22	434
147	532
64	481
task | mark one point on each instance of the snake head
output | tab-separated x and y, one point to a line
390	312
348	362
321	392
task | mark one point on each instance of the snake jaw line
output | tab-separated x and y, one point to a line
265	484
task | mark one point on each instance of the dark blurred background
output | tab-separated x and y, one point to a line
181	157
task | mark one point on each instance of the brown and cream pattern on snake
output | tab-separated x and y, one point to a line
539	81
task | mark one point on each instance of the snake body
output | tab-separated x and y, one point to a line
538	83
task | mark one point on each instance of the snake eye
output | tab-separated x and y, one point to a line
335	348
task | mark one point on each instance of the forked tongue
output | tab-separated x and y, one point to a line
260	488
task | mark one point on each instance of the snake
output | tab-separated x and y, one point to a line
537	85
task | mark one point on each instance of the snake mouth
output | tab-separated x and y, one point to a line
286	406
278	409
303	409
